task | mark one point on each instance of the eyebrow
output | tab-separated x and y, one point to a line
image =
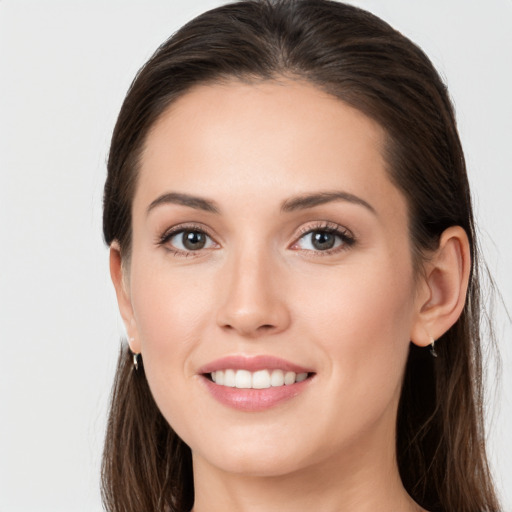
303	202
197	203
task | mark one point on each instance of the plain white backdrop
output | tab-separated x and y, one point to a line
64	69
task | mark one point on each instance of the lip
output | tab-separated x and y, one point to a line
254	400
253	364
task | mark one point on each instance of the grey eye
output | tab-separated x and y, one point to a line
190	240
320	240
193	240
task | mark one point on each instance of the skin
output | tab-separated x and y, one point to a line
260	286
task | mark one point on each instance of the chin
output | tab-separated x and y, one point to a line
259	452
258	463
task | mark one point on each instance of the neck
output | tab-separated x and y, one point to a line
358	481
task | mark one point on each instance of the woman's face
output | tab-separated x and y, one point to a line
269	243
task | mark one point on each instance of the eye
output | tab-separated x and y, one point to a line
321	241
187	240
326	239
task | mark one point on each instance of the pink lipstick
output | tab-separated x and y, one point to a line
254	383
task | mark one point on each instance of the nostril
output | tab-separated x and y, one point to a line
253	318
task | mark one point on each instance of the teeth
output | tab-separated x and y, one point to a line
277	378
289	378
301	376
243	379
229	378
261	379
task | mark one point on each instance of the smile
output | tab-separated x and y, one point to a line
255	383
261	379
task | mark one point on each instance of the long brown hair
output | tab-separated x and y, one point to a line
361	60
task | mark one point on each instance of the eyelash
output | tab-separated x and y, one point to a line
176	230
344	234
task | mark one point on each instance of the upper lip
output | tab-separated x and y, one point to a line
252	364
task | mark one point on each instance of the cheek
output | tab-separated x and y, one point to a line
171	309
361	298
167	309
363	322
170	312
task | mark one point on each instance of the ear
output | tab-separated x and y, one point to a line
121	285
442	292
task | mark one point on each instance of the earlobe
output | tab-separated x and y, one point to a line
444	287
117	273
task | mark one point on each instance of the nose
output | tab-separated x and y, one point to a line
254	302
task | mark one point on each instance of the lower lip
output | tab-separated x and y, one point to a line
255	399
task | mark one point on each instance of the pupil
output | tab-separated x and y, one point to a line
194	240
323	240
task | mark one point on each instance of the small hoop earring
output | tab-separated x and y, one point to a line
433	347
135	357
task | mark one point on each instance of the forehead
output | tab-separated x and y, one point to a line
270	138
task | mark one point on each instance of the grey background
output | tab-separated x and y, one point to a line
64	69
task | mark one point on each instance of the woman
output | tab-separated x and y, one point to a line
294	256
